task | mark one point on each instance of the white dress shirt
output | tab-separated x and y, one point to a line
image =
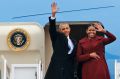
52	18
70	45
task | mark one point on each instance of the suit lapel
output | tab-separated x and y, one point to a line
73	41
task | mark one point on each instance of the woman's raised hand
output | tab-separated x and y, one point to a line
99	27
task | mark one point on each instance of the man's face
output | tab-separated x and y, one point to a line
65	29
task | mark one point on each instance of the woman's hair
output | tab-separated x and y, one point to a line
89	25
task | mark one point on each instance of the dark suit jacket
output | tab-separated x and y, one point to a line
62	63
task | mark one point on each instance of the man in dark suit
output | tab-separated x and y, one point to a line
63	59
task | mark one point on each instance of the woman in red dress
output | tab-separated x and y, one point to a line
91	53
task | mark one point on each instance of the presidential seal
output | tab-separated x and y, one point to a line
18	40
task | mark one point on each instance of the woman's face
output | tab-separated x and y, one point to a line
91	32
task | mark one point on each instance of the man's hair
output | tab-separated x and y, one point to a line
63	24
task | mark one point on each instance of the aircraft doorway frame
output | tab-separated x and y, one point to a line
78	31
